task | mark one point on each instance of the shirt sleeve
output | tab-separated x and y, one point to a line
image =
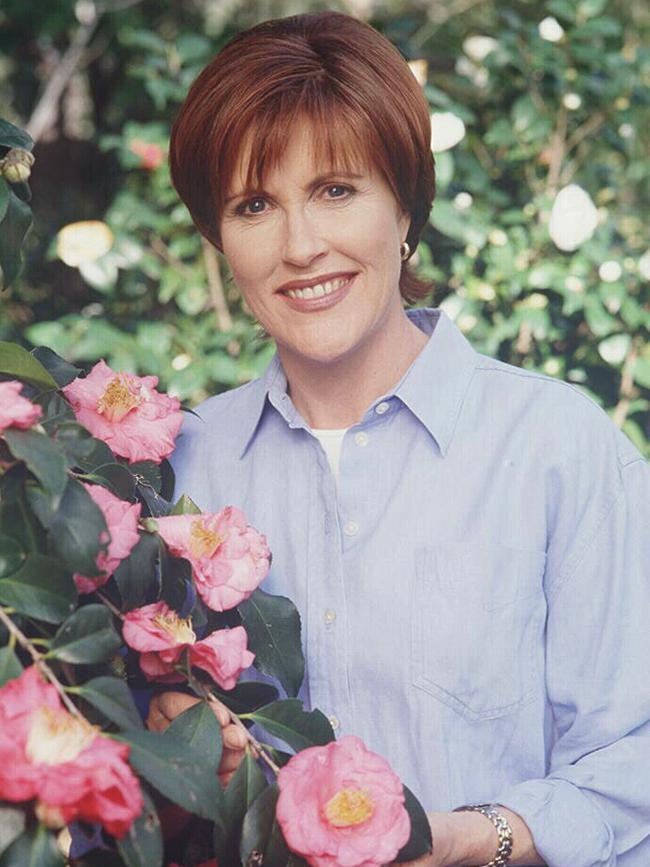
593	807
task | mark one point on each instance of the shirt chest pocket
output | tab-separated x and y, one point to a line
478	612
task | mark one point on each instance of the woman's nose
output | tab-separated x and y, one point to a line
303	240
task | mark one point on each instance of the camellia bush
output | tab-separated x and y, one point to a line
107	592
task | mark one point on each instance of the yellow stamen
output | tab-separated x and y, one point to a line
118	399
349	807
203	541
55	736
179	629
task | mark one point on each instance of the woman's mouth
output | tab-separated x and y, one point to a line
319	296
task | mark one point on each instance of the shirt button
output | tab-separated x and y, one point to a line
351	528
330	616
361	438
382	407
333	721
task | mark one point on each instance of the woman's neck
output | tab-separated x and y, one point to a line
336	394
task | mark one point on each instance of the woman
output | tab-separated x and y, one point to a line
463	538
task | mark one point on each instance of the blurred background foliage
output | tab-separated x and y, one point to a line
528	98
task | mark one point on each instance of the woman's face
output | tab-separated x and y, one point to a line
316	255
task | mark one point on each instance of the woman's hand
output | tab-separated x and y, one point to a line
461	839
166	706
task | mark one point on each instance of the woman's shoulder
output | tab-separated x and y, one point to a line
215	432
559	411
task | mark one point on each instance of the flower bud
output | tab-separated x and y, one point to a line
17	165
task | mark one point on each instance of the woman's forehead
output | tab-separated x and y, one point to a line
259	156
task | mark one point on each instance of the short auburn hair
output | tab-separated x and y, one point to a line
345	78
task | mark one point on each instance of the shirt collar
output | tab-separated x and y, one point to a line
433	387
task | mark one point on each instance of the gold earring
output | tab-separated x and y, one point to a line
404	251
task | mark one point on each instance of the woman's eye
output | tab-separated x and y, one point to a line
337	191
252	206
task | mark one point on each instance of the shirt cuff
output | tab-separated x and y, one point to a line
567	827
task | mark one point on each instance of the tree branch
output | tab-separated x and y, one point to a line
40	662
215	284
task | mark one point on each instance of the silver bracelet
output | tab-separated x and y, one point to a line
501	826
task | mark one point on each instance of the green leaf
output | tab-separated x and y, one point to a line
185	506
60	369
273	627
116	477
244	787
81	448
136	573
420	842
112	697
13	137
87	636
296	727
176	771
12	556
147	474
4	198
16	222
42	588
76	529
43	458
261	832
9	665
143	844
247	696
199	728
12	825
20	364
56	410
35	848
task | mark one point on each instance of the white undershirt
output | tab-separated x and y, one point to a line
331	441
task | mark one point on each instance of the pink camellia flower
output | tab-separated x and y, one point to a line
151	155
16	410
341	805
66	764
122	522
229	558
126	412
161	636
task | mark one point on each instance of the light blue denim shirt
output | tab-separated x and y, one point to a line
475	598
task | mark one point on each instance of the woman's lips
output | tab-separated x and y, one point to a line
323	302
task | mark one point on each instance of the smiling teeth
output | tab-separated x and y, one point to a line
319	289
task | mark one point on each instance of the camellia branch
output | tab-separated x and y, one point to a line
203	692
40	662
626	390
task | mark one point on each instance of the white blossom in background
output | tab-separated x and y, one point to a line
610	271
463	201
614	349
626	130
644	265
572	101
476	73
452	305
477	48
550	29
497	238
574	284
447	129
83	243
420	69
573	219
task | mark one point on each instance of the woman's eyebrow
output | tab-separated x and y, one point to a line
315	182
